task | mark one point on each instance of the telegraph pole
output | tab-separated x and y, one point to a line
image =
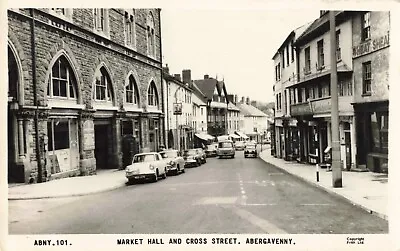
336	168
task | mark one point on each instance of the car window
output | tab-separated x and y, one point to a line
224	144
251	146
144	158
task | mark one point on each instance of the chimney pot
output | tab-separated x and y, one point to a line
177	76
186	76
206	76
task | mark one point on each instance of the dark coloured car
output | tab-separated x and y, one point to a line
192	158
226	149
203	156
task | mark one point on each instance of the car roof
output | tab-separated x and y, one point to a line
150	153
169	150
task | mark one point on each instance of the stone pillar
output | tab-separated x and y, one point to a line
353	142
87	160
329	132
144	120
21	148
342	146
117	142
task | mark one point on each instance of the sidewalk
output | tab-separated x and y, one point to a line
364	189
105	180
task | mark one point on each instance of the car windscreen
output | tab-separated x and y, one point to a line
169	154
144	158
224	144
251	146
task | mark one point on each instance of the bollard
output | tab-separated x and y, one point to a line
317	171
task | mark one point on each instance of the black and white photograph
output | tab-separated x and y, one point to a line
226	126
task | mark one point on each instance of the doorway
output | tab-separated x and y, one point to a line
102	133
347	142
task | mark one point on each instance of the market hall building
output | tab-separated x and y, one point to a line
81	81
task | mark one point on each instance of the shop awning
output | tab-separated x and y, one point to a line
242	135
204	136
234	136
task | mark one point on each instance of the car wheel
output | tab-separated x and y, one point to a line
178	169
165	174
233	156
155	179
198	163
183	170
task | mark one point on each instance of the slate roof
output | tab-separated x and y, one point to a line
232	107
207	87
250	111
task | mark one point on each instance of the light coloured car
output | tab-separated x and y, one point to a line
239	145
146	166
176	163
250	150
226	148
203	156
211	150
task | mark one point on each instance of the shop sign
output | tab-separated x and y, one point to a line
371	46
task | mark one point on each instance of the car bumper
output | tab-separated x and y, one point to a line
239	148
211	154
139	176
191	162
253	154
226	154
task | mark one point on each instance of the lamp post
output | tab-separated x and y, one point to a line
176	112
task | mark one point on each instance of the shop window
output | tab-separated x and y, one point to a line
58	135
380	131
62	81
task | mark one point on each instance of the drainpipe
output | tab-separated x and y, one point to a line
162	84
35	99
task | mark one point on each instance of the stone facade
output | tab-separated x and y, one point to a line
39	38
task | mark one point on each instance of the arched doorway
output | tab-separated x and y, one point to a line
15	131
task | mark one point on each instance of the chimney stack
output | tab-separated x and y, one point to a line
254	103
186	76
248	100
242	100
206	76
177	76
235	99
166	69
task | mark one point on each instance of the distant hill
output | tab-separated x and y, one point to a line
266	108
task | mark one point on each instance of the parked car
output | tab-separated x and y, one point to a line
192	158
176	163
225	148
211	150
239	145
203	156
146	166
250	150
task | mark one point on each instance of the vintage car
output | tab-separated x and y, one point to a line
192	157
225	148
203	156
250	150
146	166
176	163
239	145
211	150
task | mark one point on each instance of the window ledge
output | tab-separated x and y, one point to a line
366	94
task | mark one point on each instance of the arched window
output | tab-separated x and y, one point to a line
131	91
13	76
62	81
152	97
150	35
102	86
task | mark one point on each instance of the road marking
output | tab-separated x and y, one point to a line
216	200
260	204
316	204
243	192
265	225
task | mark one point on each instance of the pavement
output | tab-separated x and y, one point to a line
363	189
366	190
104	180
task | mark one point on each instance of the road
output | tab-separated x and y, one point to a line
229	196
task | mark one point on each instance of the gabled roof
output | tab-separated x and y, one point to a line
199	93
250	111
232	107
295	34
207	87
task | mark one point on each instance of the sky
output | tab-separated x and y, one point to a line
230	44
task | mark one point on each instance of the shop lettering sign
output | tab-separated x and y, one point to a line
371	46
